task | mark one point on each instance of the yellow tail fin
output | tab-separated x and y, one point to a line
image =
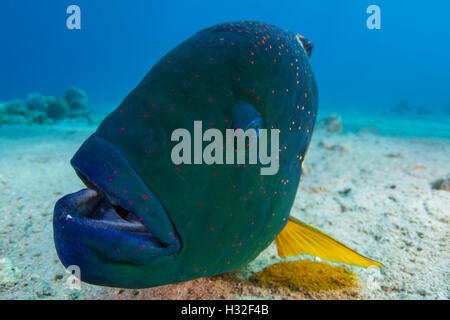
299	238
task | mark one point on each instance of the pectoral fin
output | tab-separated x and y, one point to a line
299	238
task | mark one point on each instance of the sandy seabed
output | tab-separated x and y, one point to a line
372	192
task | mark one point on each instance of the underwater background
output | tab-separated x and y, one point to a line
378	162
119	42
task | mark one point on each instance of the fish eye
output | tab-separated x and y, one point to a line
246	117
255	124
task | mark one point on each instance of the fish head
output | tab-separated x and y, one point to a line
147	220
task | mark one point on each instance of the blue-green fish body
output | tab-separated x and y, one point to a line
145	221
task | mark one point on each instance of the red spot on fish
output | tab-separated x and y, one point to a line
144	197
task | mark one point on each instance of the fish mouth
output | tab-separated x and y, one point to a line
113	220
92	208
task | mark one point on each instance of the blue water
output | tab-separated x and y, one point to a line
356	68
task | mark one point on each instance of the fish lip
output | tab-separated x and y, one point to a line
91	208
80	214
77	217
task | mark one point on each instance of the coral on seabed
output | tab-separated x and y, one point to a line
38	117
36	101
2	113
39	109
13	112
332	124
442	183
76	99
57	108
15	119
403	107
16	107
423	110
